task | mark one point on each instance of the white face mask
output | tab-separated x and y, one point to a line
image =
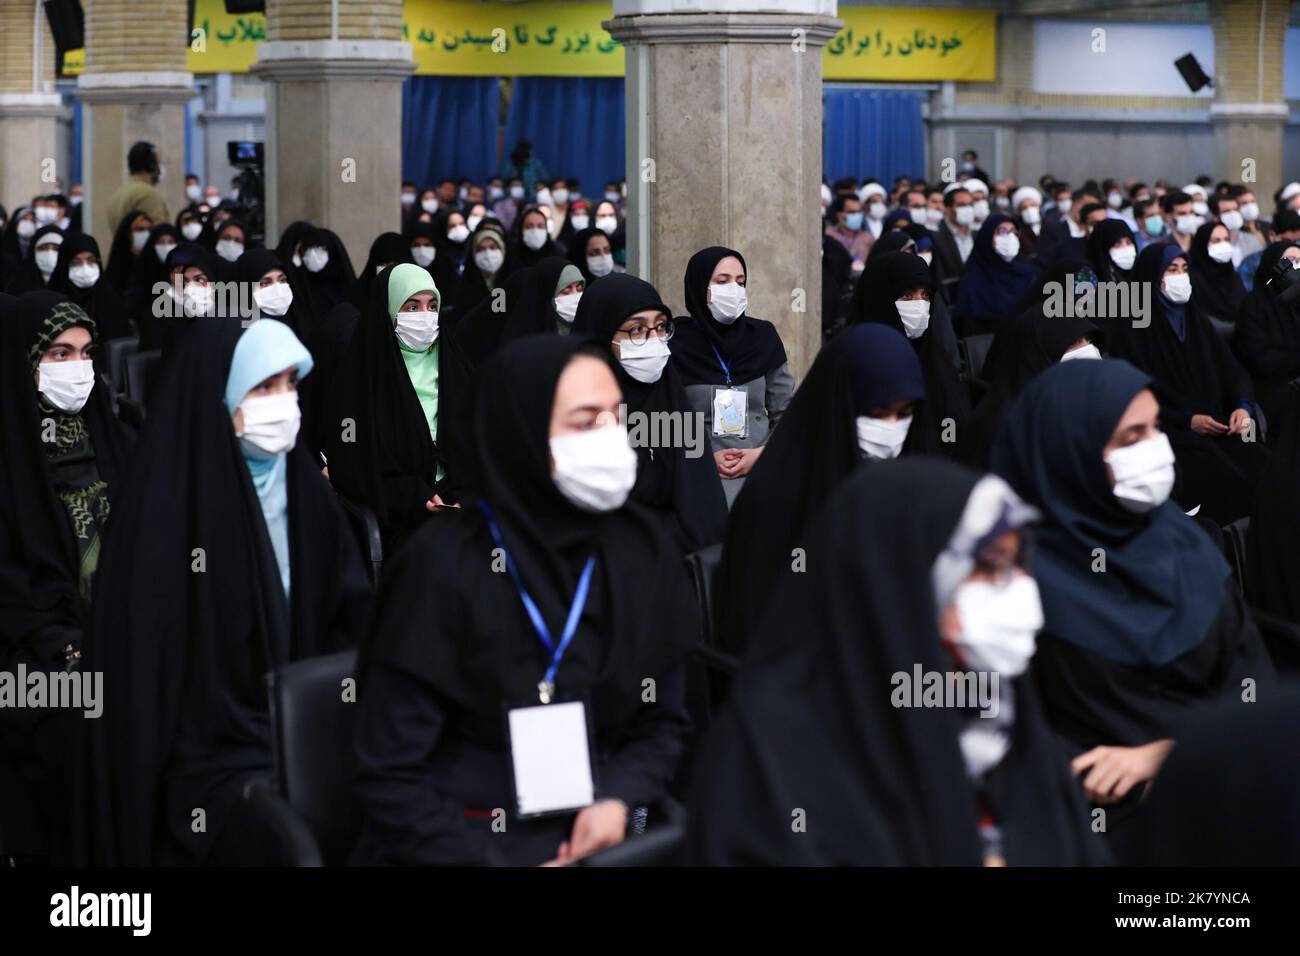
516	192
489	261
1249	211
77	199
933	217
1088	351
417	330
926	257
644	362
192	192
316	258
199	300
999	623
579	222
566	307
67	385
1232	220
423	255
230	249
607	224
25	229
459	233
45	214
162	250
270	425
1124	256
1220	251
1178	287
600	265
1008	246
408	199
46	260
83	277
561	196
471	224
535	238
915	314
595	469
918	215
297	261
728	302
981	207
495	193
1201	208
876	211
429	205
274	300
965	215
544	197
1144	473
1031	215
881	439
1187	225
191	230
138	238
1114	200
1065	205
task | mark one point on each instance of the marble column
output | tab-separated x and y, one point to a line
30	110
1249	109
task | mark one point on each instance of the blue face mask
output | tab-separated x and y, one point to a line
1154	225
853	221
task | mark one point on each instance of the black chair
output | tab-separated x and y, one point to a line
974	350
1282	638
140	377
709	669
1234	546
115	353
703	566
366	527
307	804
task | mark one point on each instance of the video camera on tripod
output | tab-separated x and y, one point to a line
249	158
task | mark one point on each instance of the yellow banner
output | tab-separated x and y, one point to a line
447	38
890	43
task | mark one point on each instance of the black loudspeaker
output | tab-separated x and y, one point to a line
67	26
1192	73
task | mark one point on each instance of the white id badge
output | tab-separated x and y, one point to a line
550	757
730	412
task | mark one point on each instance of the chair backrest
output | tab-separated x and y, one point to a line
141	374
975	349
312	725
703	566
366	528
1234	541
115	355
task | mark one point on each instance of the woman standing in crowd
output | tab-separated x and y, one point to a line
78	275
733	366
1266	334
1205	397
857	404
64	456
1144	625
595	603
219	486
680	482
994	278
914	567
128	240
894	290
390	435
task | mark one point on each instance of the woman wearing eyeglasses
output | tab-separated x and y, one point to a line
733	366
675	471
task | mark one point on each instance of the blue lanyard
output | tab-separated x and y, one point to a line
546	689
726	369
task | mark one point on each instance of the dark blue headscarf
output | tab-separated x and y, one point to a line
1163	584
991	288
1175	312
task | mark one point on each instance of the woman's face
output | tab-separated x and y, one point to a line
1292	253
278	384
606	208
535	219
233	233
195	276
454	220
587	396
1124	243
487	242
1177	267
571	288
642	325
599	246
998	563
1005	229
1138	423
71	345
920	292
1219	234
86	258
894	410
726	271
271	278
420	302
141	222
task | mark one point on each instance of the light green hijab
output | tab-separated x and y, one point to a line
404	281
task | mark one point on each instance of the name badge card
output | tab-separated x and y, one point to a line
551	758
730	412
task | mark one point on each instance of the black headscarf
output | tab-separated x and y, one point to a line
52	507
1162	587
812	451
520	253
1023	348
449	620
473	286
389	461
810	725
688	488
1103	237
28	277
577	251
751	347
389	248
882	282
99	301
121	254
165	331
185	710
446	266
148	271
291	238
249	269
1217	289
1266	337
337	281
13	249
991	287
529	309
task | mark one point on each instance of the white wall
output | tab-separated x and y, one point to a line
1138	58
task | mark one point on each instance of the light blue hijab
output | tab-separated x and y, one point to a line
267	348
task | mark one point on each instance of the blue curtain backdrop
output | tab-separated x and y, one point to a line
449	127
575	124
868	132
